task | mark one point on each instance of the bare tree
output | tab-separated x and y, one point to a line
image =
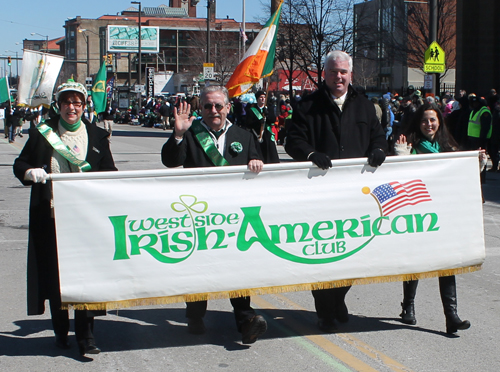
418	31
401	31
311	29
287	49
224	50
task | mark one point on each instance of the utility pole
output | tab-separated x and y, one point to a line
433	24
209	14
140	52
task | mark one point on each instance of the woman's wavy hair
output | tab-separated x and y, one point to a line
443	136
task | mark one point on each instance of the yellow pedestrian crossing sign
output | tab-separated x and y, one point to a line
434	59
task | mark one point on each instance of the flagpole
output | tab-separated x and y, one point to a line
240	40
244	28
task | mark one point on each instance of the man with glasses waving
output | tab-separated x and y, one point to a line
214	141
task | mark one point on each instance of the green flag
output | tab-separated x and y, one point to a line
4	90
99	90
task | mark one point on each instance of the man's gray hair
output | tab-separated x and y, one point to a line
338	55
214	88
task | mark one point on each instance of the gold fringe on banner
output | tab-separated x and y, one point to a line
267	290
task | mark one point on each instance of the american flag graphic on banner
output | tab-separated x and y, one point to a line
394	195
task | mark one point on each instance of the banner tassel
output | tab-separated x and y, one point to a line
266	290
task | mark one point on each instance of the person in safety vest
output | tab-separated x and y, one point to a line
479	127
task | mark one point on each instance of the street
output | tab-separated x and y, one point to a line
155	338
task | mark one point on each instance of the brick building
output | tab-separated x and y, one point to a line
182	44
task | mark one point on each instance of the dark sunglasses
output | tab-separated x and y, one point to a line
74	103
208	106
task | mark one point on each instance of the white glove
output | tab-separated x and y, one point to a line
402	149
36	175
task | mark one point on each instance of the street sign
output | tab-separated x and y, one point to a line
428	82
139	88
434	59
208	71
88	83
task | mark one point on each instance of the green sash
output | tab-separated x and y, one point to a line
207	144
58	145
257	113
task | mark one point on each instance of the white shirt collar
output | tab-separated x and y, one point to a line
220	143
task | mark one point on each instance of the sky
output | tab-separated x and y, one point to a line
18	19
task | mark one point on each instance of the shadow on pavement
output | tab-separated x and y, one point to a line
166	328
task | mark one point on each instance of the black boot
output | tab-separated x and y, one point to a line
84	332
341	312
408	304
448	290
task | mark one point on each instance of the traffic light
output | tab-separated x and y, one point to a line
9	61
109	59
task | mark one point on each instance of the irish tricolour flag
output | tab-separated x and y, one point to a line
258	61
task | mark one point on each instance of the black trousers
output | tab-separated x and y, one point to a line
84	321
243	312
326	301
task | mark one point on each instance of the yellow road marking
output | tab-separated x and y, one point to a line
339	353
322	342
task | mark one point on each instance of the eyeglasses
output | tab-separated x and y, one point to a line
208	106
77	104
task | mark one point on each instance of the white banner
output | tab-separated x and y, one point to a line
147	237
38	77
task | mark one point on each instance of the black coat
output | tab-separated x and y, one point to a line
319	125
190	154
267	148
43	272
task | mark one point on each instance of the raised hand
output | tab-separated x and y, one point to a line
402	140
183	120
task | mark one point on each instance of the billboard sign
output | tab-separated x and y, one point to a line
126	39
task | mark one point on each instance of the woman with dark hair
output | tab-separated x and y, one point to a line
66	143
428	133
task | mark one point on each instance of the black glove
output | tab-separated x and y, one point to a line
321	160
376	157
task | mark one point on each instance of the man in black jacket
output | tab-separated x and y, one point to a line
165	112
335	122
214	141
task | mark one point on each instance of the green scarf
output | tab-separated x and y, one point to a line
428	147
71	127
